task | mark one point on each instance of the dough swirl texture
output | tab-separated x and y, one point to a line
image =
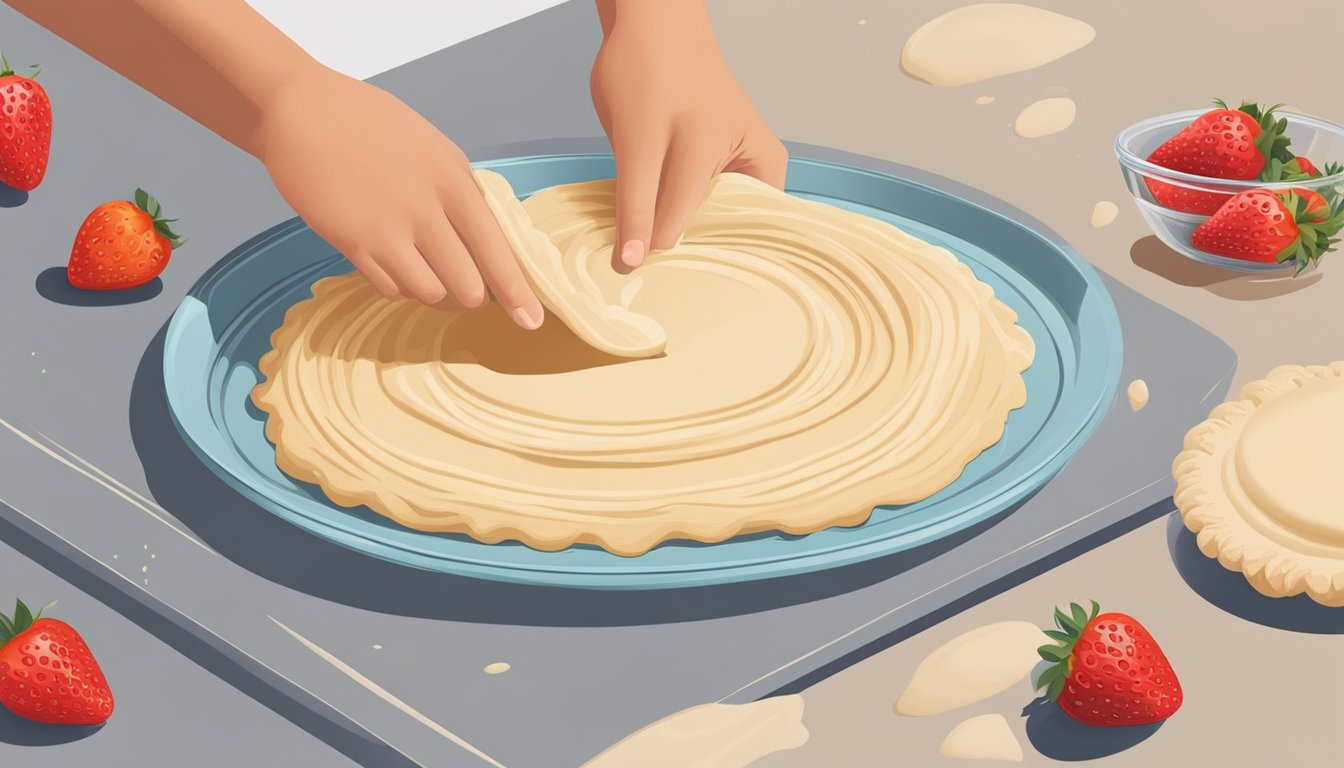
808	363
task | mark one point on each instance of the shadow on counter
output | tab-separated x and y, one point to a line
1060	737
280	552
26	733
1154	256
1231	592
11	197
53	285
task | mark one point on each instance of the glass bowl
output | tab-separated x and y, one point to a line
1319	140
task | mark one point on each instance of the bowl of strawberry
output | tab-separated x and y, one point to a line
1250	188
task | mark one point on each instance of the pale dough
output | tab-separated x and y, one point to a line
1137	392
986	40
972	667
816	363
1259	482
985	737
712	736
1103	213
569	289
1045	117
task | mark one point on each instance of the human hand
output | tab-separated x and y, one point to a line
675	116
391	192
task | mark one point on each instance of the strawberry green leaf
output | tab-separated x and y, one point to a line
1058	656
23	618
1317	228
1048	676
6	629
1064	622
1272	143
1053	652
1056	688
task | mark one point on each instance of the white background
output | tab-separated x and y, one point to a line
364	37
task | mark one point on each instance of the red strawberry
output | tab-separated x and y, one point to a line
25	129
1221	144
1107	670
1259	225
47	672
122	245
1303	166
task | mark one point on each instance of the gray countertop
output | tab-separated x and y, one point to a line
846	92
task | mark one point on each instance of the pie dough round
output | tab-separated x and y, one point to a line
787	366
1262	483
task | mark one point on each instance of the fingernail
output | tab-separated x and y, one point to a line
632	255
528	318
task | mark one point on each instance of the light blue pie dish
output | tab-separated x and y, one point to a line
224	324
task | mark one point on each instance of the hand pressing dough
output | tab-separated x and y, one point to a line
571	293
809	363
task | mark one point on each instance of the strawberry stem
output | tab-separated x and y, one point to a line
20	622
1317	228
1271	142
150	205
1071	627
6	70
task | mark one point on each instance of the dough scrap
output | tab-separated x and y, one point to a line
986	737
977	42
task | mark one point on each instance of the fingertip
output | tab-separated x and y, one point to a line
432	294
529	317
472	295
633	253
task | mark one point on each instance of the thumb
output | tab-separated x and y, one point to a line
637	172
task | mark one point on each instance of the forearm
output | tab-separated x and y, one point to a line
220	62
654	16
